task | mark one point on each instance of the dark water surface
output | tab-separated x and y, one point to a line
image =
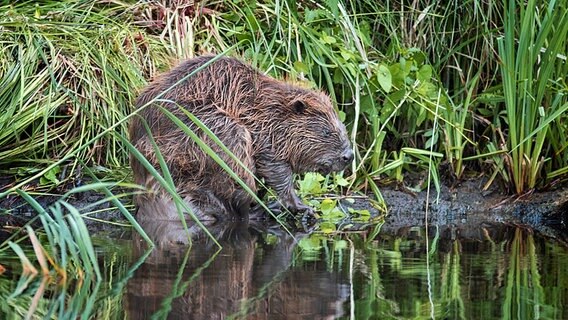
496	272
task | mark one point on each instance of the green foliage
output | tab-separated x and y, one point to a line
533	53
319	192
315	184
68	72
67	255
82	295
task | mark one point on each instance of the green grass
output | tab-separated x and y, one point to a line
533	54
66	257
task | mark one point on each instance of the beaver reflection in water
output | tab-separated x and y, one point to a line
273	127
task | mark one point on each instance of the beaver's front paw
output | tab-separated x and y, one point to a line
304	209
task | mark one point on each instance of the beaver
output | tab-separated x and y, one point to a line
273	127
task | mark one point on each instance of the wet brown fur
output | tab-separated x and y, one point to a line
275	129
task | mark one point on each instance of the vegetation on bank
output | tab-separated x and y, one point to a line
445	89
454	88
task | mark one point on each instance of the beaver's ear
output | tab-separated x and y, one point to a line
299	106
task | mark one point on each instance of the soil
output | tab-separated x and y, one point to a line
462	210
465	208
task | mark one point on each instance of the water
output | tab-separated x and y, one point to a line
494	272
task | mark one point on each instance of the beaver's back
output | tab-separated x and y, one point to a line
226	84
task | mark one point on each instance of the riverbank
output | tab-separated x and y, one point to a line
458	210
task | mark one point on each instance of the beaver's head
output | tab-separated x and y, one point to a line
314	139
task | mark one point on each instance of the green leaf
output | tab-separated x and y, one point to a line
327	227
367	105
341	115
346	55
340	181
338	76
50	176
360	215
311	15
425	73
392	100
427	90
405	66
311	183
397	75
328	39
301	67
421	115
431	141
327	205
362	212
333	6
385	78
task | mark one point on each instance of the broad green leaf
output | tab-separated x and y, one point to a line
341	181
425	73
327	205
328	39
328	227
385	78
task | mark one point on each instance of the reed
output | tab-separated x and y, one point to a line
533	60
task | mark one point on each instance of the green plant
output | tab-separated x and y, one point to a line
532	65
67	257
64	272
69	72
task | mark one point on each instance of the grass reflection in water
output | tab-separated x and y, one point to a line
263	273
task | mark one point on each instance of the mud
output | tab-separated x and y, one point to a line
457	211
465	208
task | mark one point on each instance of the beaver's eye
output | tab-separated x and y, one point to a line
299	107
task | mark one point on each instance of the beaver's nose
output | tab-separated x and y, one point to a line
347	156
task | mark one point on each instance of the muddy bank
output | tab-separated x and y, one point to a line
460	210
465	208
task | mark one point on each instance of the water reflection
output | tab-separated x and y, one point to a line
499	272
250	277
490	271
487	272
